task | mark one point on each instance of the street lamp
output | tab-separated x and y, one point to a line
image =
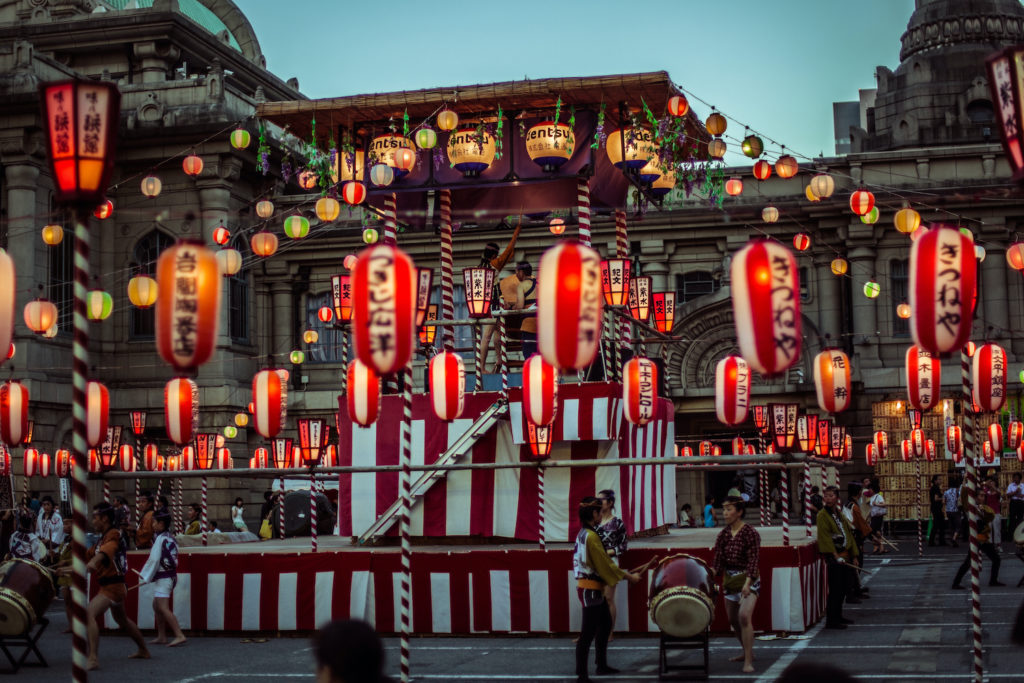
312	439
138	422
807	433
783	425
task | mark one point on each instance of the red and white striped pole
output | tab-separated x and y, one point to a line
971	473
206	521
583	208
541	522
807	495
280	510
138	493
181	504
503	354
390	220
762	480
159	487
784	491
622	251
313	528
447	271
106	490
920	536
405	483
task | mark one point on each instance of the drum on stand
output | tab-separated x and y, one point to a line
26	590
681	599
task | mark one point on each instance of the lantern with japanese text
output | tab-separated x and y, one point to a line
539	439
270	402
63	463
151	457
663	310
224	459
13	412
427	333
995	436
569	305
632	150
881	441
384	308
766	306
8	297
832	380
260	459
988	377
363	393
1014	434
550	144
930	452
97	412
615	281
783	425
109	448
540	390
924	378
479	284
424	282
684	451
126	458
870	456
943	288
639	390
341	295
41	463
917	442
639	302
188	312
837	443
447	385
988	453
205	450
954	440
313	438
181	409
229	260
824	443
705	448
187	459
761	419
806	433
732	390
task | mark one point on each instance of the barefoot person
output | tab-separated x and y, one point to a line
161	569
107	562
736	559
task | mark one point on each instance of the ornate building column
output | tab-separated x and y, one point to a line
828	300
865	310
995	303
22	181
281	322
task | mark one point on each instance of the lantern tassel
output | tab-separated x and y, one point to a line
971	472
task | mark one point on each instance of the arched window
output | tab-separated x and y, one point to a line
238	297
899	279
695	284
980	112
147	251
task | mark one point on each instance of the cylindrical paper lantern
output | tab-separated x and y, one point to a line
188	309
181	409
8	295
943	289
881	441
988	377
384	308
639	390
63	463
540	391
260	459
126	458
924	378
97	413
1014	434
270	402
917	442
224	460
363	393
732	390
988	453
906	450
861	202
151	457
13	412
954	442
738	447
832	380
569	304
447	385
995	436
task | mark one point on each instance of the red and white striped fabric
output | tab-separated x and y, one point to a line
363	394
569	305
8	302
224	460
127	458
881	441
639	390
988	377
97	413
384	308
732	390
832	380
151	457
181	409
1014	434
540	390
943	289
13	412
766	306
447	385
995	436
924	378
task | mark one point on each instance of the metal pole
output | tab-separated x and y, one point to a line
971	472
206	521
405	482
79	474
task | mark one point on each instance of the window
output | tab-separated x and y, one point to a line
695	284
805	285
61	286
980	112
238	299
327	349
899	275
146	252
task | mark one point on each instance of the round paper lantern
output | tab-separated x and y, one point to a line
1015	255
13	412
569	305
810	194
224	460
192	165
943	281
906	450
384	308
142	291
229	261
678	105
188	313
471	152
540	391
752	146
126	458
995	436
425	138
382	175
979	252
635	151
1014	434
639	390
870	458
230	431
762	170
715	123
240	138
53	235
264	208
556	226
871	217
447	385
734	186
988	377
447	119
766	306
270	402
705	448
550	145
363	393
924	378
51	333
786	166
394	151
327	209
172	463
861	202
181	409
350	261
307	179
221	235
907	220
872	289
732	390
1020	453
988	453
296	227
241	419
97	413
954	442
839	266
104	211
881	442
36	464
11	350
264	243
716	148
325	314
353	192
98	304
151	186
370	236
769	214
822	186
801	241
832	380
297	357
903	311
40	315
917	442
917	234
971	347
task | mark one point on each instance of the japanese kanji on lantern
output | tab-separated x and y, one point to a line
260	459
870	458
832	380
954	443
943	284
783	421
995	436
639	390
1014	434
824	442
188	308
917	442
341	294
569	305
738	447
732	390
13	412
540	391
270	402
63	462
363	395
181	409
32	463
988	377
806	433
924	378
639	302
615	281
881	441
988	453
8	296
447	385
97	413
384	308
766	306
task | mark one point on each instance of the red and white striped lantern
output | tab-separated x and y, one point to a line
917	440
270	402
732	390
738	447
330	457
639	390
861	202
988	377
384	308
353	192
943	289
569	305
97	413
1014	434
929	450
126	456
172	463
221	235
95	464
924	378
870	457
187	459
363	395
447	385
995	436
750	449
684	451
30	462
801	241
988	453
8	296
260	459
181	409
906	450
1020	453
954	440
766	306
540	391
151	458
705	448
832	380
63	463
881	442
13	412
188	308
224	460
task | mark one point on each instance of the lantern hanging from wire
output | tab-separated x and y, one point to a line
142	291
264	208
550	144
327	209
639	301
296	227
716	148
221	235
370	236
631	147
861	202
639	390
924	378
734	186
663	311
192	165
426	138
752	146
384	308
188	313
1015	255
395	152
822	185
762	170
569	305
307	179
615	281
240	138
903	311
263	243
988	377
40	315
809	193
104	210
801	241
783	418
98	304
715	123
907	220
52	235
270	402
229	261
769	214
806	433
871	217
732	390
556	226
181	409
839	266
353	192
310	336
14	401
786	166
363	393
678	106
151	186
832	380
447	385
540	390
872	289
471	151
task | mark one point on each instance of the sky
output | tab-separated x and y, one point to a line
776	65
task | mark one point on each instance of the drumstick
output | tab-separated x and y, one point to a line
644	567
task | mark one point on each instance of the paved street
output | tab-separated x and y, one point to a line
913	629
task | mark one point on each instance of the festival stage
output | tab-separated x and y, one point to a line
280	586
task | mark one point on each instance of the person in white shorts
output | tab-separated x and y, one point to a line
161	569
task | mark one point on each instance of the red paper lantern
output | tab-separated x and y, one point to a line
127	458
181	409
930	452
192	165
270	402
807	433
188	308
906	450
330	458
663	308
615	281
8	303
924	378
260	459
738	447
224	459
881	441
221	235
138	418
995	436
639	302
341	294
172	463
1020	453
734	186
104	210
384	308
917	442
783	418
988	377
762	170
801	241
766	306
732	390
684	452
716	450
63	463
705	448
750	449
824	443
943	289
539	439
988	453
639	390
151	458
31	463
447	385
13	412
569	305
1014	434
363	394
540	391
97	413
325	314
187	459
353	192
761	420
95	466
832	380
678	106
954	442
861	202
